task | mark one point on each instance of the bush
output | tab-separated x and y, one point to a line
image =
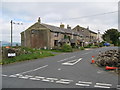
94	46
87	46
66	48
82	48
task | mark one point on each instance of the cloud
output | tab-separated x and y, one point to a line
55	13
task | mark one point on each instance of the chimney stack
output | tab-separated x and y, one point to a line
39	20
68	27
62	26
87	27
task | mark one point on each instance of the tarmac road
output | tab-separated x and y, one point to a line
66	70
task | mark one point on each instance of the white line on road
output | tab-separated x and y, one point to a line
23	77
39	77
46	80
4	75
101	86
52	79
59	68
64	81
71	62
34	78
104	84
85	82
118	87
34	69
29	76
82	84
66	59
12	76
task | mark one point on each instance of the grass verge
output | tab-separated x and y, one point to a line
24	57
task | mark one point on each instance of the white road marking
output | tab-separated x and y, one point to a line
118	86
101	86
33	69
85	82
4	75
52	79
82	84
104	84
18	74
12	76
71	62
39	77
64	81
46	80
28	76
66	59
59	68
23	77
34	78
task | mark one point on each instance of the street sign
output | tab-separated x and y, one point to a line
11	53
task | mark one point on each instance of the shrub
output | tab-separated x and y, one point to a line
82	48
94	46
66	48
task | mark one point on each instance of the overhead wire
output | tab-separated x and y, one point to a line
87	16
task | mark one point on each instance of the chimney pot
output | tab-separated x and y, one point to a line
39	20
62	26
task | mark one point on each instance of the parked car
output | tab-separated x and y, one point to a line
106	44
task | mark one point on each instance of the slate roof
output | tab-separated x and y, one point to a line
53	28
82	28
58	29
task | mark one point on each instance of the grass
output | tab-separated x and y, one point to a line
24	57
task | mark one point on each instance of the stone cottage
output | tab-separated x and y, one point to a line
87	37
41	35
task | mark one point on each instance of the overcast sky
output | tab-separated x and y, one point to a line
54	13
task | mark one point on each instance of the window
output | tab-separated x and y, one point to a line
55	42
56	34
82	30
34	31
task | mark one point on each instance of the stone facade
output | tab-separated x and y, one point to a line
87	37
41	35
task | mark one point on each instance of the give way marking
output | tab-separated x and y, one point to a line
72	62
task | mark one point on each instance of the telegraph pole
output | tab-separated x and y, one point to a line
11	22
11	31
98	38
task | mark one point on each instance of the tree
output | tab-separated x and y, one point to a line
111	36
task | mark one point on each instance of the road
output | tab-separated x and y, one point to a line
66	70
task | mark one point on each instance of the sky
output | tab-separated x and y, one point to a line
55	13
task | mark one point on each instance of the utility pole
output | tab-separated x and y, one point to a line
11	22
98	38
11	31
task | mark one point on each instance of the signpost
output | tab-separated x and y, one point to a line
11	53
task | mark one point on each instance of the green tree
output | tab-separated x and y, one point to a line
111	36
